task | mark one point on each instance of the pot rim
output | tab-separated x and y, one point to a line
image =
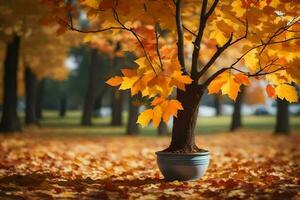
183	154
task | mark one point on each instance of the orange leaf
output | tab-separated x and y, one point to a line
242	79
171	108
129	72
114	81
157	113
157	101
271	91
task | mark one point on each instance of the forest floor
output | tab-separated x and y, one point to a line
63	160
244	165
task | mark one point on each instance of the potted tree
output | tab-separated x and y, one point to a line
180	43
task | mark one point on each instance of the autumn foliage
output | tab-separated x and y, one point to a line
187	44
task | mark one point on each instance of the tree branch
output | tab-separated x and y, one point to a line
212	8
214	57
219	51
198	39
157	46
180	42
136	36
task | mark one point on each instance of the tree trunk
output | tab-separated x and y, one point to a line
282	117
236	119
63	106
163	129
40	99
30	89
89	102
116	107
183	135
217	104
10	121
132	126
98	102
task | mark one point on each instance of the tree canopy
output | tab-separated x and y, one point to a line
266	35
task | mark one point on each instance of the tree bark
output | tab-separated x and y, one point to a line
117	107
163	129
236	119
63	106
40	99
31	90
282	117
217	104
183	135
89	102
132	127
10	121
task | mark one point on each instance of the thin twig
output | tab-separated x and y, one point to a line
136	36
157	46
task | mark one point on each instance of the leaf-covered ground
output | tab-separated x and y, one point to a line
243	166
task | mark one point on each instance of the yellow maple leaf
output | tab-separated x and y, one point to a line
251	60
231	88
128	82
145	117
288	92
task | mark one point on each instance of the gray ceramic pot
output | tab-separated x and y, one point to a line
182	167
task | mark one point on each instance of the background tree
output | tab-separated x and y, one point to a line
282	117
236	119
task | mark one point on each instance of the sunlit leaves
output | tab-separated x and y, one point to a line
260	41
115	81
251	60
145	117
163	109
228	83
288	92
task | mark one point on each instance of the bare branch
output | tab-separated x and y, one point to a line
279	32
263	44
188	30
212	8
180	40
136	36
214	57
219	51
198	39
157	46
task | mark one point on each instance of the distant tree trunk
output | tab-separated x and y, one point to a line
282	117
63	106
132	126
89	102
217	104
98	102
40	99
10	121
236	119
117	107
31	90
163	129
